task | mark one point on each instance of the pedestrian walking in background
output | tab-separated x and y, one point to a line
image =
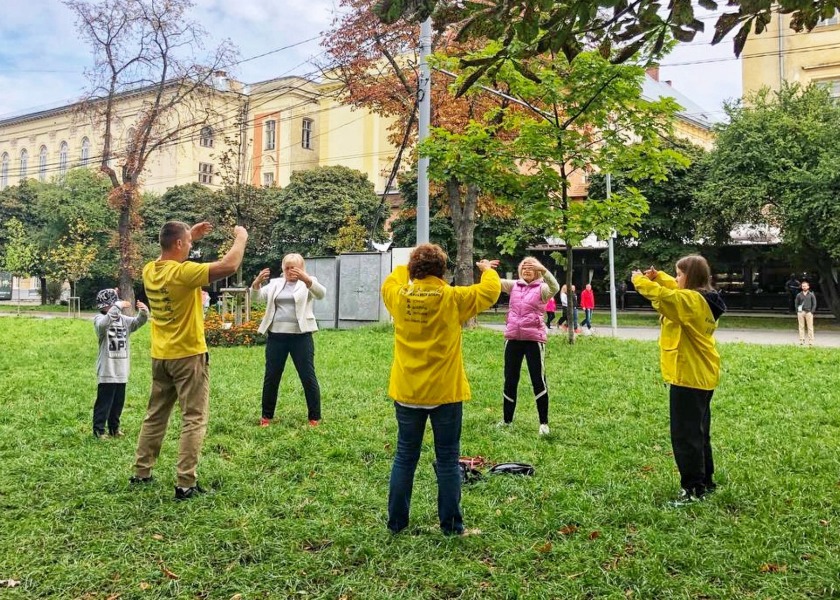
587	303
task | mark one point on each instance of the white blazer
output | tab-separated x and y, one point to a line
304	297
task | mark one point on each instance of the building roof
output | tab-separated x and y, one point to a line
654	90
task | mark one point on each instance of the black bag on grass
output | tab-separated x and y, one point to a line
512	468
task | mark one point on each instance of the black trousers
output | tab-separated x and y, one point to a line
277	349
534	354
110	400
549	317
691	416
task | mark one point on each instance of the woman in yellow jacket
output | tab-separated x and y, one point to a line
427	375
690	363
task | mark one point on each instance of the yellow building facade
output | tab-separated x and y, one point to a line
780	54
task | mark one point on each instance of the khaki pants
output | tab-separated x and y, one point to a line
806	318
188	381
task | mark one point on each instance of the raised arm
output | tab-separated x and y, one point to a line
229	263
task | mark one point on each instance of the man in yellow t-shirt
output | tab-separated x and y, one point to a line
180	363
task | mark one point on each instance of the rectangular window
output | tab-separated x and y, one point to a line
270	135
268	179
205	173
306	134
833	86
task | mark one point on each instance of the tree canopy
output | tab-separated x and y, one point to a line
618	29
775	164
318	203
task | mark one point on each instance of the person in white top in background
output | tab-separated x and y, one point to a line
289	322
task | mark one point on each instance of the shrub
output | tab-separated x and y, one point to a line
235	335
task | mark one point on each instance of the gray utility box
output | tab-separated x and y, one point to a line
325	269
360	278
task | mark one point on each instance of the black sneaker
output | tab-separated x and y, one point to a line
190	492
135	480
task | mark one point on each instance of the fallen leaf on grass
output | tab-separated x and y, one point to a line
824	522
145	585
236	597
567	529
772	568
157	537
9	583
316	545
114	597
169	574
647	469
545	548
595	535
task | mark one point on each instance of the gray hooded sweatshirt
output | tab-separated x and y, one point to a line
113	329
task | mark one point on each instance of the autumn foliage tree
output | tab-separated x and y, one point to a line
376	66
149	52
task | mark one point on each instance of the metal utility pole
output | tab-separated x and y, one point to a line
424	106
613	308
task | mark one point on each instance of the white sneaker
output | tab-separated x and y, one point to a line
504	425
544	430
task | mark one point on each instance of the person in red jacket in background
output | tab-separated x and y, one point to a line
587	303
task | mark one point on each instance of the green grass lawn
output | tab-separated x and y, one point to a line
300	512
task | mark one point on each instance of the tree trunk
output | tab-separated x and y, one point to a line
463	222
829	287
126	276
570	295
44	296
465	233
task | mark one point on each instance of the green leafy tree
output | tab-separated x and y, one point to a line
81	196
618	29
21	202
73	255
775	163
317	203
20	255
583	115
669	230
492	218
191	203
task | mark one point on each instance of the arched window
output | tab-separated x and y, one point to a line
24	163
63	151
85	157
206	137
42	164
4	171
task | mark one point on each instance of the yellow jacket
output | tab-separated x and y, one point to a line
428	313
687	353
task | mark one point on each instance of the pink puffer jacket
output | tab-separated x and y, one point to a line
526	312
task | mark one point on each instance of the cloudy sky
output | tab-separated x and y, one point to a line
42	59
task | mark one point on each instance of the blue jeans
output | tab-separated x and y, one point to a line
588	320
446	426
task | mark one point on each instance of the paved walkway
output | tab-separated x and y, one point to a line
771	337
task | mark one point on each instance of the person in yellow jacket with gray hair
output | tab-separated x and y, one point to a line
427	376
690	363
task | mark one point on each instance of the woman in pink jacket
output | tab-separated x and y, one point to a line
525	336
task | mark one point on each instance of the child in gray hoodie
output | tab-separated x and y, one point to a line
112	366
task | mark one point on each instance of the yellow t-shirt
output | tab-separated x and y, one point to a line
174	292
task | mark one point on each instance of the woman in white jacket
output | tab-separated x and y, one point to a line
289	322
